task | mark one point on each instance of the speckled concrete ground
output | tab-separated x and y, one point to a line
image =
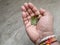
12	31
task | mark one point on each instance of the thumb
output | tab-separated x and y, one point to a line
43	12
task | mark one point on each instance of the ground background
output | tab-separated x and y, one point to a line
12	31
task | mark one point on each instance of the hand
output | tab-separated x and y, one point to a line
44	26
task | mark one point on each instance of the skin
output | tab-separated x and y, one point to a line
44	26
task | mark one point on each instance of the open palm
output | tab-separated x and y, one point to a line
44	25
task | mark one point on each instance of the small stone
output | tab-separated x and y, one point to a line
34	20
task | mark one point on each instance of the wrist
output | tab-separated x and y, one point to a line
44	36
47	40
55	43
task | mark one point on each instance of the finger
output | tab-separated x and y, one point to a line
23	8
37	13
39	16
44	12
25	22
24	16
30	11
32	14
28	16
26	6
33	8
30	5
24	19
27	13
